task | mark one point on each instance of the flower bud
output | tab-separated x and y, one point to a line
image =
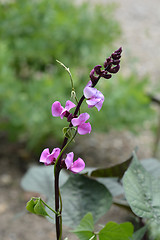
73	94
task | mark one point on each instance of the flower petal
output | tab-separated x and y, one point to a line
69	160
99	105
44	155
56	109
99	95
55	152
89	92
93	101
69	105
81	119
77	166
89	84
84	128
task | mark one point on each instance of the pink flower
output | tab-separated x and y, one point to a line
76	166
80	122
93	96
49	158
59	111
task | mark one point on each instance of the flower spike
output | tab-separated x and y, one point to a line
111	65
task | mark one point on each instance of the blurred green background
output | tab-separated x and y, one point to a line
32	37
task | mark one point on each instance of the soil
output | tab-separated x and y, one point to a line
140	24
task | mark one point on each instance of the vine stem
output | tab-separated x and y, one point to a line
58	200
57	169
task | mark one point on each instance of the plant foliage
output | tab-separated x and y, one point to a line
142	192
33	36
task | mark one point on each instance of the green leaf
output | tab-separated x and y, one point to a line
80	194
142	191
36	206
138	235
114	231
67	132
85	229
40	209
40	179
115	171
152	165
154	231
127	227
112	185
86	224
86	236
30	205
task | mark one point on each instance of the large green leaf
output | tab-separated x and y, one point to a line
40	179
114	231
142	191
111	183
152	165
115	171
154	231
80	194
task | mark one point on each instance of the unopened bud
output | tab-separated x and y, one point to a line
73	94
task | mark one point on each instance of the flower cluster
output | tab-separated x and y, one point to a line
50	158
79	122
111	65
93	98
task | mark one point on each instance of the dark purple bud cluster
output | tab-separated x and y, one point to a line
111	65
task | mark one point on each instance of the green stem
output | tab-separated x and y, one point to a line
63	150
60	236
58	199
60	211
93	237
49	207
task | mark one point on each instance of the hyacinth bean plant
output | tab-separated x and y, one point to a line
77	124
142	197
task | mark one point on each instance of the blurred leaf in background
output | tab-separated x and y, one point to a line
35	34
126	104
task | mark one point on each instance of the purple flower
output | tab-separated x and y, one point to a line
80	122
49	158
76	166
93	96
59	111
